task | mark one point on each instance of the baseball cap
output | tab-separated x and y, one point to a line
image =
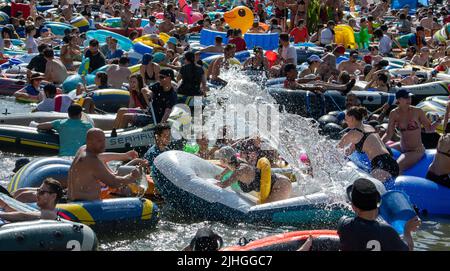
225	153
20	163
167	72
403	93
367	59
159	57
364	194
44	29
172	40
206	240
314	58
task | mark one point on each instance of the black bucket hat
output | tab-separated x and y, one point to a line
364	194
20	163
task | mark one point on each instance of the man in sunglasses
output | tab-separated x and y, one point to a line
352	65
47	196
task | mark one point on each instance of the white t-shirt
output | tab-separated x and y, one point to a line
31	43
289	52
48	104
385	45
326	36
150	29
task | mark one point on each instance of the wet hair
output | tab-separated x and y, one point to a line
189	56
284	37
42	47
378	33
420	28
93	43
358	112
54	187
344	77
103	76
229	46
28	29
218	39
383	77
48	52
367	69
124	60
50	90
67	39
160	128
74	110
237	32
403	16
289	67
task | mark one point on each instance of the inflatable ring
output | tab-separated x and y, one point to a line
266	179
146	39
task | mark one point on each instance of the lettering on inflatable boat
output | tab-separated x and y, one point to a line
144	138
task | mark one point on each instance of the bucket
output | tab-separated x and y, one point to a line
396	209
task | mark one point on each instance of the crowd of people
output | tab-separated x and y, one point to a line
174	68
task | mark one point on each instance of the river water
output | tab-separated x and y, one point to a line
172	233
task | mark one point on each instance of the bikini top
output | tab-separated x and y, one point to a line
412	125
360	144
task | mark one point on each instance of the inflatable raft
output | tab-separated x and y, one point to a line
107	100
323	240
104	122
428	197
8	86
43	234
47	235
435	105
114	215
187	183
21	139
120	31
309	104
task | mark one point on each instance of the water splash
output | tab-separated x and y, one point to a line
296	135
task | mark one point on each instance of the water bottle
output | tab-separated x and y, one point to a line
396	209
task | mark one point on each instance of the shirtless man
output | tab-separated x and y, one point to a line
351	65
216	48
118	74
89	168
216	65
439	171
427	22
166	26
55	71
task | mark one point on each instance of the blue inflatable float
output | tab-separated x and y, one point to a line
101	35
268	41
241	56
109	215
72	82
58	28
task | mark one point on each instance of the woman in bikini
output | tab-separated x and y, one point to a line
363	138
408	119
439	170
249	177
149	70
69	53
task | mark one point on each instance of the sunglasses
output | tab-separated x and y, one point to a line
42	192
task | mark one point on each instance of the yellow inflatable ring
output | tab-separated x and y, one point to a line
148	41
266	179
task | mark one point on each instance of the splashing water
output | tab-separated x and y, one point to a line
296	135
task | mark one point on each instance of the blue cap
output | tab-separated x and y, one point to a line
159	57
315	58
44	29
146	59
172	40
403	93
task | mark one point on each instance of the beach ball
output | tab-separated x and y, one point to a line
240	17
4	18
80	22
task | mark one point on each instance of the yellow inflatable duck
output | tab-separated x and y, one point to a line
240	17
